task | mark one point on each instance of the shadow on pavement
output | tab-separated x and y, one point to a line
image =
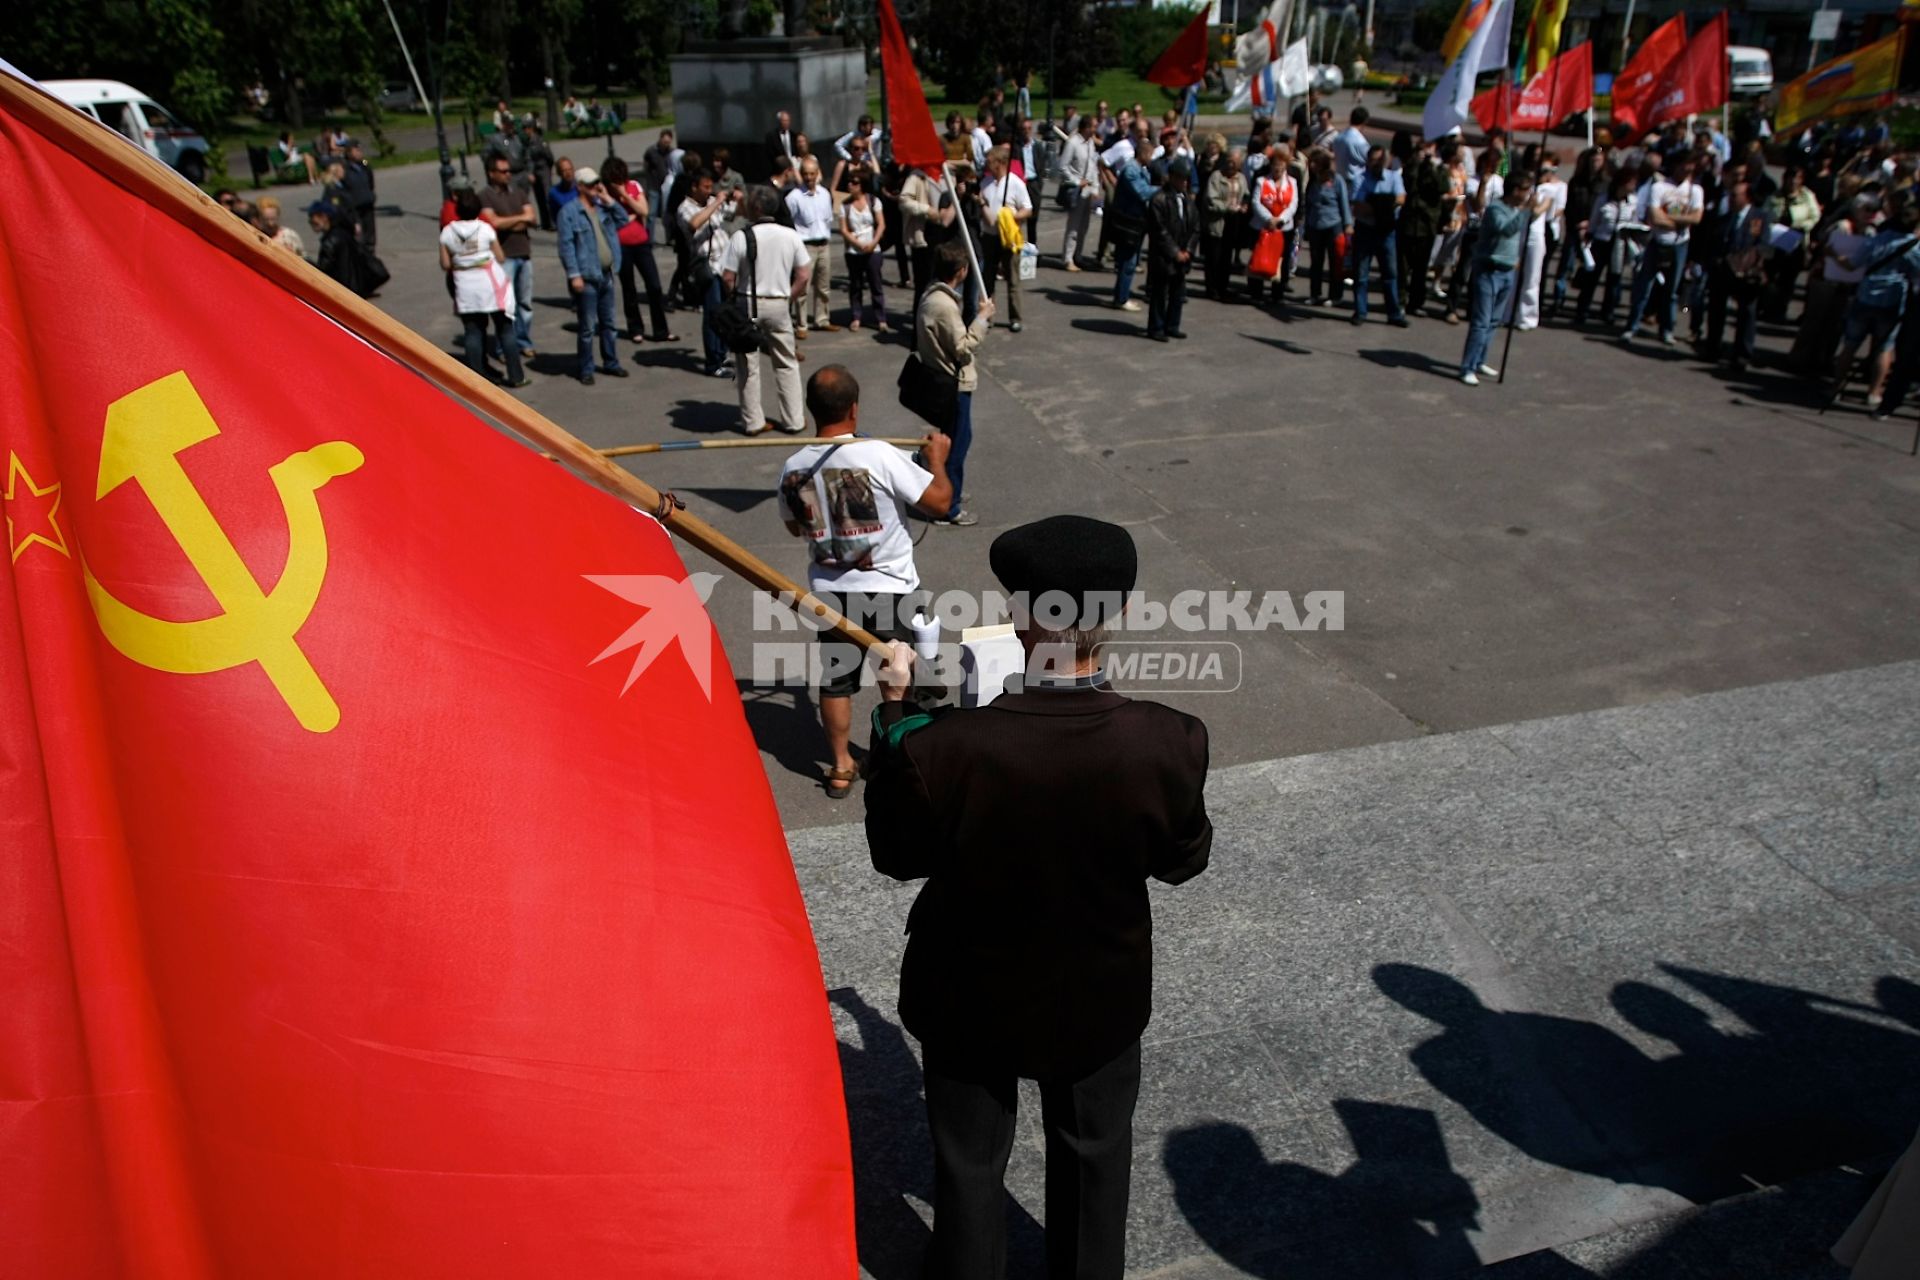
1291	348
1417	361
893	1155
705	417
1808	1092
1115	328
734	500
782	721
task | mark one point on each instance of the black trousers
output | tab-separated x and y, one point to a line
639	258
1724	287
1088	1125
369	225
1416	255
922	259
541	203
1217	253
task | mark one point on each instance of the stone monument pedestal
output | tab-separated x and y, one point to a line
725	94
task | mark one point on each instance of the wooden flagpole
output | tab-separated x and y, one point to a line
742	442
130	167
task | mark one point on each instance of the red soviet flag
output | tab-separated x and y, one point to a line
358	921
1185	60
1637	85
1696	81
915	144
1568	81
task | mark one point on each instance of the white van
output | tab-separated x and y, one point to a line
1749	71
144	122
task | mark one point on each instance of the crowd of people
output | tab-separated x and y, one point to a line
1677	236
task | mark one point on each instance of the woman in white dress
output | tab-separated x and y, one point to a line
470	253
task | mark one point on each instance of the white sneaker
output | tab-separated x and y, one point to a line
1489	370
1469	378
1133	304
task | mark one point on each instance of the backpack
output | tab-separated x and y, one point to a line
734	322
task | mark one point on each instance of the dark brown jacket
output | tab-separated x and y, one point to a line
1036	822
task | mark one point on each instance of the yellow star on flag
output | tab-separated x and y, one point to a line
28	514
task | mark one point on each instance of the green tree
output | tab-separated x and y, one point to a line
971	46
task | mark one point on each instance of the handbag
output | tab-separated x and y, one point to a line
734	323
1267	253
930	394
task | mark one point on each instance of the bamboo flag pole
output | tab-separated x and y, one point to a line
743	442
132	168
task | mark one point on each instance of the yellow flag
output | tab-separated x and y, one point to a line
1543	37
1865	80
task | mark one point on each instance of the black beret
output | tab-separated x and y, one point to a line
1077	555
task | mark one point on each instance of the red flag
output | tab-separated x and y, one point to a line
1185	60
359	919
1569	81
1696	81
915	144
1635	88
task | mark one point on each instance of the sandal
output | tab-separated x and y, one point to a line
846	776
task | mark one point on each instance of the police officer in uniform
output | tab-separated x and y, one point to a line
1036	822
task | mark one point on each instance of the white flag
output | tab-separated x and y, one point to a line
1261	46
1296	73
1451	105
1254	93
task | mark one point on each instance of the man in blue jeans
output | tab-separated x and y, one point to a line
1127	223
1672	207
1503	230
589	233
1377	200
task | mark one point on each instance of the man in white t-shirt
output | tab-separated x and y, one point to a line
1003	189
848	498
777	274
1672	206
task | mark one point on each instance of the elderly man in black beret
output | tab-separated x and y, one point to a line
1036	821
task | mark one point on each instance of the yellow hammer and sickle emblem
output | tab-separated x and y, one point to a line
145	431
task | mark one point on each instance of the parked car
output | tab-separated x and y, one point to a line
398	95
1749	71
142	121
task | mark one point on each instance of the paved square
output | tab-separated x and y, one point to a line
1574	883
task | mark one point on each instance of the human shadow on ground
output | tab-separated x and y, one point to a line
705	417
737	501
1809	1085
1417	361
893	1154
1079	296
1812	1090
783	723
1281	344
1399	1210
1114	328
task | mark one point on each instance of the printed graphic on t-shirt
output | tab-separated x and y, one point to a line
851	529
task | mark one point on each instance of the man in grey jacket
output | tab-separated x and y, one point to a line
1080	187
